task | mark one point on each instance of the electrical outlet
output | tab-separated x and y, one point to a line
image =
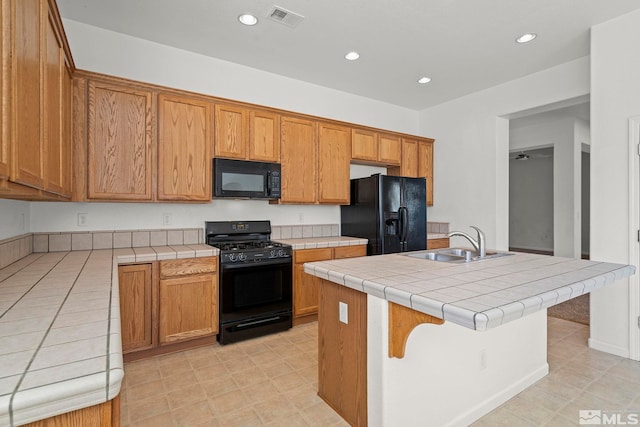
82	219
167	218
301	217
344	312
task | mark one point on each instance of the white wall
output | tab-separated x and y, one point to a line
117	54
615	96
472	144
14	218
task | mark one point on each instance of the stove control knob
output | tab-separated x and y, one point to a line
281	253
232	257
242	257
273	254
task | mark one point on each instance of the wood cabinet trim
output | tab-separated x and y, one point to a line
402	321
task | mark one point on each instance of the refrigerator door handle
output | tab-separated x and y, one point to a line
404	219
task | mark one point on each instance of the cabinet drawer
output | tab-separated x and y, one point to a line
187	266
437	243
349	251
309	255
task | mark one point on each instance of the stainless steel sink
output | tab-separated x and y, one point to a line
458	255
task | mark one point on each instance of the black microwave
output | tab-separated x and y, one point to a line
241	179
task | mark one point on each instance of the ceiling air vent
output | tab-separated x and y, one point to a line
286	17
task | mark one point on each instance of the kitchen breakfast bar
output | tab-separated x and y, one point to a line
408	341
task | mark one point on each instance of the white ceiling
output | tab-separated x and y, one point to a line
463	45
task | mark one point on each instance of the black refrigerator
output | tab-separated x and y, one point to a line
390	211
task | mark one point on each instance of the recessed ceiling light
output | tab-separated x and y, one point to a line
352	56
526	38
248	19
423	80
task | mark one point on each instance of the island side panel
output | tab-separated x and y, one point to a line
342	352
443	378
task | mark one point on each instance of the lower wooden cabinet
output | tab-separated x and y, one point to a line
305	286
188	299
137	308
165	304
438	243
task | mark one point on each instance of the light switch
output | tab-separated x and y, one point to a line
344	312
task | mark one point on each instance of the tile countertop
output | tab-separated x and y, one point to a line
322	242
478	295
60	344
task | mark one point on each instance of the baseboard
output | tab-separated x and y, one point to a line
491	403
608	348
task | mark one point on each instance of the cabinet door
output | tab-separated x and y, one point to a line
184	149
389	149
349	251
334	156
298	158
231	132
27	141
425	166
56	146
409	164
364	145
136	307
119	143
264	136
188	308
5	98
305	286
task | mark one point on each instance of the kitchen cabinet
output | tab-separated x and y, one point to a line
334	155
375	147
35	152
438	243
246	134
417	162
188	299
138	306
119	147
184	149
299	159
305	286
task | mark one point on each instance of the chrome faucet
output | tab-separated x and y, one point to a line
478	245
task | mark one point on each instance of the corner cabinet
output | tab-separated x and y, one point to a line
35	152
188	299
305	286
119	149
184	148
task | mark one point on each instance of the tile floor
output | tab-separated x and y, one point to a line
272	381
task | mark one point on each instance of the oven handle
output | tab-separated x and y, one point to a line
256	322
279	261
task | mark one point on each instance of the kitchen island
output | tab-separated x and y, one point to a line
480	335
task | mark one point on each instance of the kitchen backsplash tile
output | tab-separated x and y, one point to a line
158	238
175	237
437	227
191	237
81	242
60	242
103	240
141	239
14	248
304	231
122	239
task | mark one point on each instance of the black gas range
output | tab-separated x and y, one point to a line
255	292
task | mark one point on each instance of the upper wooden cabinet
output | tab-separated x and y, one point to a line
299	158
35	152
334	155
119	142
417	161
246	134
184	149
375	147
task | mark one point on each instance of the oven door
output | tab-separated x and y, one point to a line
254	290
